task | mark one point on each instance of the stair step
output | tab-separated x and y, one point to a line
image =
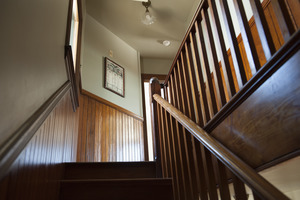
131	189
110	170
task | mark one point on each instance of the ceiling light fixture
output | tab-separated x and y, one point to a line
166	43
147	18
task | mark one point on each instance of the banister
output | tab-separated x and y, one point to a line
260	185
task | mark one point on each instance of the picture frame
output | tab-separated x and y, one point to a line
114	80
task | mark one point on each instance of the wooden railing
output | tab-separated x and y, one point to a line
206	72
206	78
198	180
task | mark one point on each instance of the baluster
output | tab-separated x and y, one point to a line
166	145
202	95
263	29
169	152
181	140
222	180
168	163
172	143
187	87
201	172
189	111
239	188
209	173
155	89
180	180
247	37
224	57
159	124
172	163
207	70
165	128
284	20
166	93
177	152
255	196
188	153
193	89
163	145
235	52
191	72
177	90
207	27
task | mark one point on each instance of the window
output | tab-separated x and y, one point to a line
147	113
74	31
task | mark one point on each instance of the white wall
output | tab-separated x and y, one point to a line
155	65
32	39
98	41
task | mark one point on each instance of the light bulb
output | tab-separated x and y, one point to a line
147	18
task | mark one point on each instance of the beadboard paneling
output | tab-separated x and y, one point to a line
107	134
36	171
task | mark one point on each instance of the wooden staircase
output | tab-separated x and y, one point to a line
114	181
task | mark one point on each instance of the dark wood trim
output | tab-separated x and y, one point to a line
13	146
78	60
71	77
147	77
69	20
291	47
108	103
155	90
74	72
146	148
278	160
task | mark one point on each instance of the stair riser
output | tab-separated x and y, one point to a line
109	171
116	190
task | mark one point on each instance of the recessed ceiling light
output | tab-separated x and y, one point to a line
166	43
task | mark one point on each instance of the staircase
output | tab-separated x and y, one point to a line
114	181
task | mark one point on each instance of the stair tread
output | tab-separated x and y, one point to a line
155	180
148	163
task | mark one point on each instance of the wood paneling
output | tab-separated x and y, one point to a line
294	7
266	125
107	133
36	171
273	24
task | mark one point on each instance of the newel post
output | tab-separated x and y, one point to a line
155	89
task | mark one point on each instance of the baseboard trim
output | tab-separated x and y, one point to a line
13	146
278	160
108	103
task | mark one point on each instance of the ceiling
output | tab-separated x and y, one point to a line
123	18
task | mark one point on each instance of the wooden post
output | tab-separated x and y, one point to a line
155	89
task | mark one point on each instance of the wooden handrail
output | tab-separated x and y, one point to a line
261	186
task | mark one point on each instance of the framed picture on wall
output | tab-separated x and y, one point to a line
114	77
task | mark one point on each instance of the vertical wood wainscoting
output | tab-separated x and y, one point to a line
107	132
35	173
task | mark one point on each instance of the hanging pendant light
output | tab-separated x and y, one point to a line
147	18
